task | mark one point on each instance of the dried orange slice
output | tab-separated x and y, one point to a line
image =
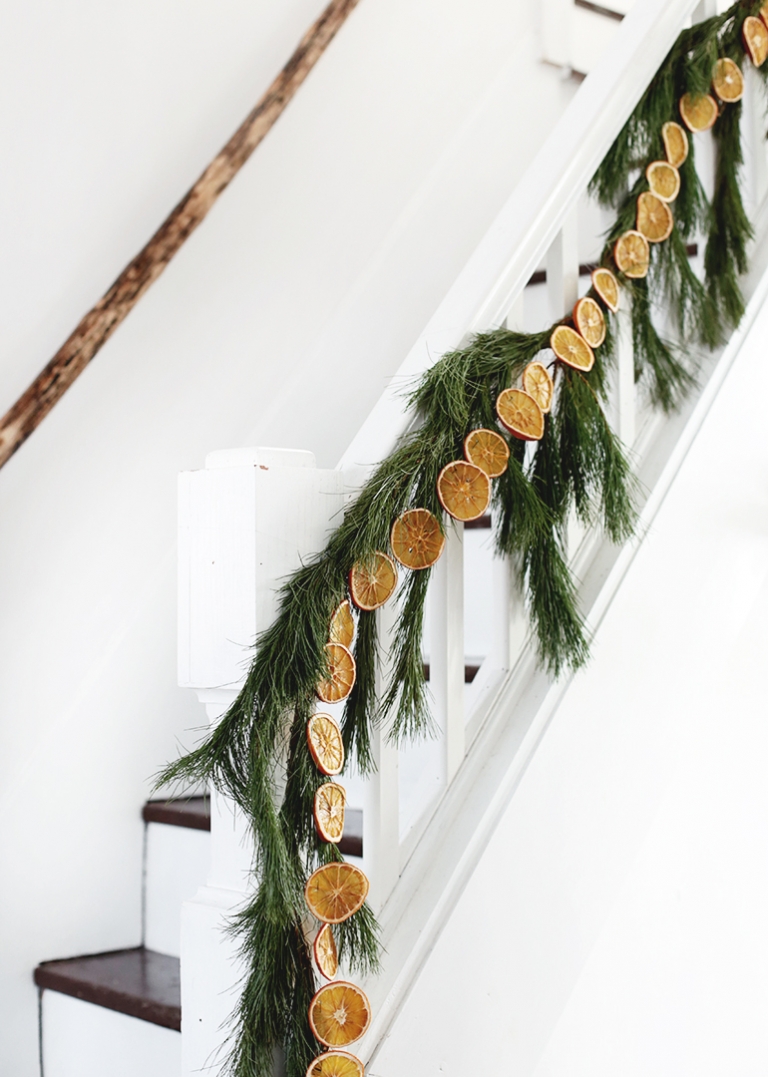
336	1064
372	582
675	143
589	320
339	1014
537	382
487	450
699	111
654	218
330	801
325	744
342	629
631	254
755	37
664	180
607	287
464	490
571	348
335	892
326	955
341	674
416	539
519	412
728	81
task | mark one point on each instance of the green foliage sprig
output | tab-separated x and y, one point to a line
579	467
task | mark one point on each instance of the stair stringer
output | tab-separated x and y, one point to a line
464	820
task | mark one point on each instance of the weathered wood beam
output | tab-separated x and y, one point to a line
102	320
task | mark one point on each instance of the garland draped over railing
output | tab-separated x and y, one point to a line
579	466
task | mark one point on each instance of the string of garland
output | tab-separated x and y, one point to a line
578	466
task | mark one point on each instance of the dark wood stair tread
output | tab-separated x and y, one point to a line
191	812
195	812
137	982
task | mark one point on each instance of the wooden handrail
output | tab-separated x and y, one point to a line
102	320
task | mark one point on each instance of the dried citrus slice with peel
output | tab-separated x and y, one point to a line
372	582
664	180
330	801
336	1064
571	348
339	1014
675	142
416	539
728	81
341	674
699	111
654	218
537	382
325	744
326	955
589	321
487	450
631	254
754	34
464	490
520	413
342	629
335	892
607	287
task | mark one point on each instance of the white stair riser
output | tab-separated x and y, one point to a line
83	1040
177	865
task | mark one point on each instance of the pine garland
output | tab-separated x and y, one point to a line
579	466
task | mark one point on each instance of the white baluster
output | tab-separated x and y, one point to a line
514	319
556	31
381	809
446	660
563	268
754	127
625	394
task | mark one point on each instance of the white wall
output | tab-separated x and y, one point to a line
277	324
623	895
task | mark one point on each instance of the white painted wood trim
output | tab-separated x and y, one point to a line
522	233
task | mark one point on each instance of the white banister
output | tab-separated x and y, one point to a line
446	659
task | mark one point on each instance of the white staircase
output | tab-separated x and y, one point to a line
478	921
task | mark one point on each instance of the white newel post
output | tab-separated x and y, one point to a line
246	521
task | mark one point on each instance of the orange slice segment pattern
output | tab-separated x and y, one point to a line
464	490
755	37
675	142
607	287
339	1014
664	180
487	450
335	892
325	744
416	539
520	413
341	674
372	582
728	81
654	218
330	802
632	254
698	112
326	955
336	1064
589	321
342	629
537	382
571	348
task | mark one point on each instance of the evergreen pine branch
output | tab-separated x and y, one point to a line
658	364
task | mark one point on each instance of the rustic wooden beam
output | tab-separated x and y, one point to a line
102	320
